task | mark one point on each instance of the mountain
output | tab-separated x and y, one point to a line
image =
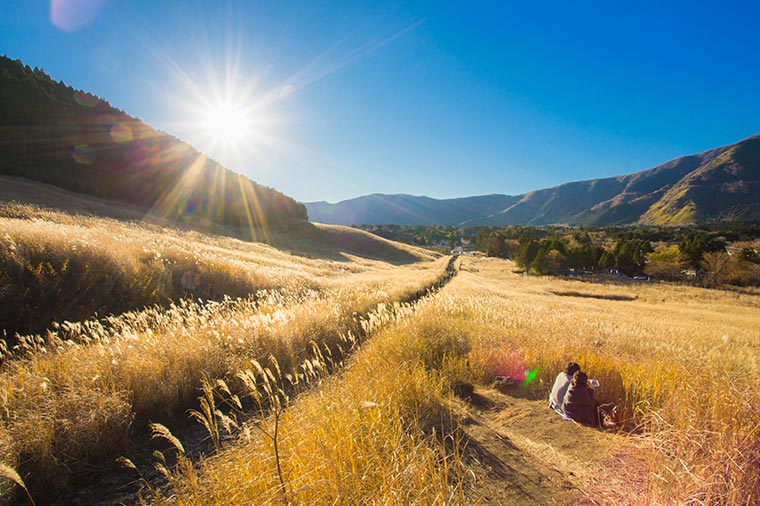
721	184
54	134
402	209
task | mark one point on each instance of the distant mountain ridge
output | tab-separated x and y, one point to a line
722	184
378	209
54	134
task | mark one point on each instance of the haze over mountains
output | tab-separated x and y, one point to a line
721	184
379	209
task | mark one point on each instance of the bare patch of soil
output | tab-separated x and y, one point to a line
522	452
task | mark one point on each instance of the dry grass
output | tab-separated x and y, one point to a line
70	397
56	266
381	433
681	361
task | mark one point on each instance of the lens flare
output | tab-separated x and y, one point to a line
121	133
72	15
530	376
83	154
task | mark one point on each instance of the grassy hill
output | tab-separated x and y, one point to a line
67	256
133	316
78	397
52	133
397	423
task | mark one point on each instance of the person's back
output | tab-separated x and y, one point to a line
561	385
579	403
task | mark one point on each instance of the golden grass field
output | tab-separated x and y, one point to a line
69	398
681	361
296	418
659	351
59	265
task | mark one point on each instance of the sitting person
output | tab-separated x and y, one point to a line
579	403
561	385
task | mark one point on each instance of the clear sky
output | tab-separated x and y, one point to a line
328	100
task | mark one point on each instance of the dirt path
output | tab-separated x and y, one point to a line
524	453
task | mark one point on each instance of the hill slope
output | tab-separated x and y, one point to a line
719	184
52	133
68	256
725	186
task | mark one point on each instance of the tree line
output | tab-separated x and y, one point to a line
436	236
711	254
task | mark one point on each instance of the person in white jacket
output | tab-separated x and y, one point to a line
561	384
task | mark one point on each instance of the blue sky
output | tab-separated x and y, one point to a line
443	99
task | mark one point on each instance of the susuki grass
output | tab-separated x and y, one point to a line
380	433
73	401
71	397
57	266
681	362
53	271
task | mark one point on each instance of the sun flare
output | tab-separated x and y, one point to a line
226	123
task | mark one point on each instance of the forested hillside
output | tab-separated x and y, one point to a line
53	133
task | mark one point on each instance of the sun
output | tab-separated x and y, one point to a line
226	123
229	116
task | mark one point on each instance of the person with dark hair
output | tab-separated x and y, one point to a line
561	384
579	403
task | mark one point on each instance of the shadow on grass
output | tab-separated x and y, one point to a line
593	295
521	390
336	243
